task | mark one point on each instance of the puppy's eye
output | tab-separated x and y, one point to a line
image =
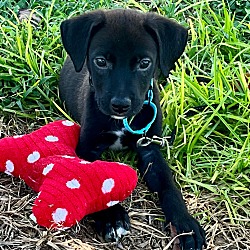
144	63
101	62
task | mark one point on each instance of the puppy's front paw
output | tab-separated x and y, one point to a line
176	213
112	223
187	224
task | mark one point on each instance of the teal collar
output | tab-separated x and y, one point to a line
149	102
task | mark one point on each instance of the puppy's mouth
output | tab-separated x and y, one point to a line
118	117
119	113
129	114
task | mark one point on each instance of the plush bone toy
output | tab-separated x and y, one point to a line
69	187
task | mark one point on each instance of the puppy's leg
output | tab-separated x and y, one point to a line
111	223
93	142
158	177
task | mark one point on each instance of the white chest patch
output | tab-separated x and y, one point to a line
117	144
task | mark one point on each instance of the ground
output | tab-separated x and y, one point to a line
148	232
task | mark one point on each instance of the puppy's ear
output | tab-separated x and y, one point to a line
171	38
76	34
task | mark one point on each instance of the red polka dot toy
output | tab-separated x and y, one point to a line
69	187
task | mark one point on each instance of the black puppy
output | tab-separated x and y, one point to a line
113	57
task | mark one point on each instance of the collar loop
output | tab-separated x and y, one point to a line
146	102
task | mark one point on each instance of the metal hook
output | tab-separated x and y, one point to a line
145	141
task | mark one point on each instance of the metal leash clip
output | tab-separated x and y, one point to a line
145	141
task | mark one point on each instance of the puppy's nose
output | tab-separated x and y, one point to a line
120	105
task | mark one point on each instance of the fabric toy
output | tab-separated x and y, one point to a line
69	187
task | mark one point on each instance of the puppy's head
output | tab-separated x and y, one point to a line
122	50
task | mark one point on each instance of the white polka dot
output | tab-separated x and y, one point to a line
68	123
9	167
73	184
84	162
122	164
108	185
33	157
51	138
68	156
112	203
33	217
17	136
59	215
48	168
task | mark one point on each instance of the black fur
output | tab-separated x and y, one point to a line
113	55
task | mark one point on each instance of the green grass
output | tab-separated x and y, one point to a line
211	152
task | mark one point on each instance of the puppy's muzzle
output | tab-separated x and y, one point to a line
120	106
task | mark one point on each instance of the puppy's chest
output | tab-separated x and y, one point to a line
118	142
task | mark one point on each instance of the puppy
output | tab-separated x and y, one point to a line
111	70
